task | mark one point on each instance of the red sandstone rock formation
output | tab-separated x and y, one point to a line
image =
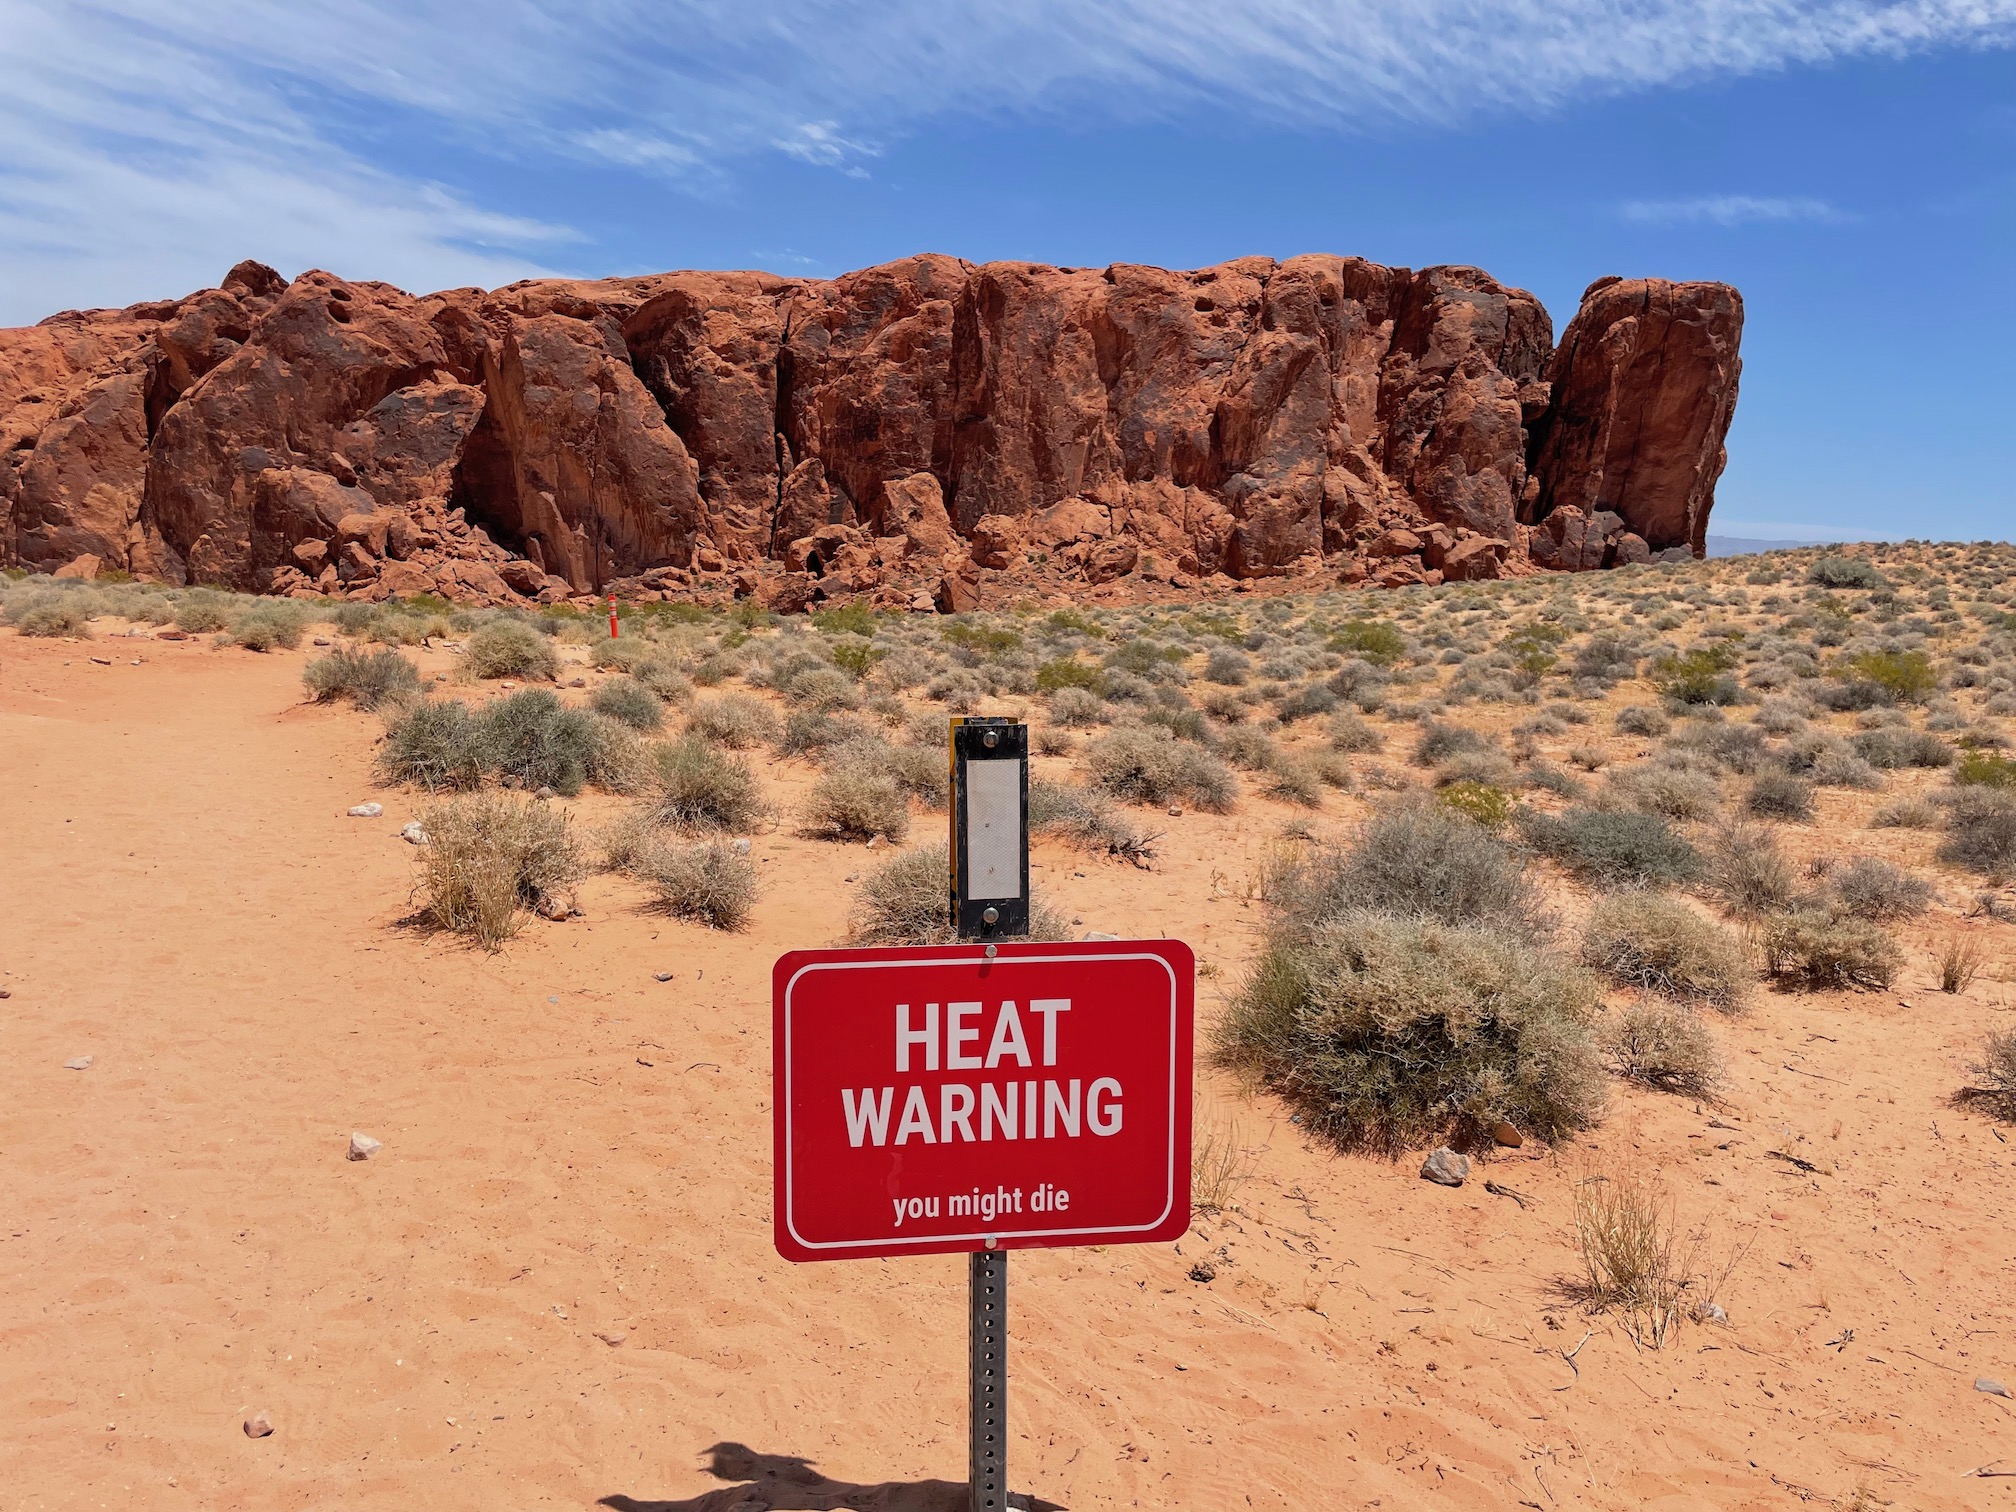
918	432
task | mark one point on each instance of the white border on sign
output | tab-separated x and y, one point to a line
790	1162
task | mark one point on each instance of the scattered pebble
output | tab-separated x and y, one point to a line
853	877
101	661
78	1063
1506	1135
507	685
322	640
874	842
414	833
577	682
1445	1168
545	792
1175	811
259	1425
1991	1386
1094	936
613	1337
366	810
1710	1312
363	1146
555	906
661	976
742	847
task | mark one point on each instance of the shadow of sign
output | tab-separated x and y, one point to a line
786	1483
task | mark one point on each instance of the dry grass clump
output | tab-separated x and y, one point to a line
1350	734
509	648
1869	887
1779	795
1656	787
272	625
1815	950
533	739
693	785
366	678
1665	1046
1220	1164
489	858
1960	958
433	743
1642	719
1661	945
907	901
1981	831
738	721
1421	860
1995	1075
1086	819
1145	764
1636	1263
1747	873
51	613
708	880
1386	1030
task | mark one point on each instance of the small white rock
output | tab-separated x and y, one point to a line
741	847
363	1146
413	833
1094	936
1445	1168
366	810
78	1063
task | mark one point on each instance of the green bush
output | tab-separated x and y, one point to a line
629	702
1147	765
1388	1031
693	784
845	619
1613	848
1479	802
1665	1046
1818	951
510	648
366	678
487	858
1699	676
533	737
1979	768
708	880
269	627
1905	676
1068	672
1374	641
857	657
52	614
201	611
433	743
1661	945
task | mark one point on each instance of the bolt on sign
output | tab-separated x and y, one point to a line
969	1098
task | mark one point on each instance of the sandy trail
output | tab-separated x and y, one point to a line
575	1152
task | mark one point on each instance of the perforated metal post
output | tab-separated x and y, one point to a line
987	1293
989	901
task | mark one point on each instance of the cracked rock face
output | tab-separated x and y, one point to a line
960	423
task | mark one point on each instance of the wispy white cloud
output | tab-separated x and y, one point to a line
139	140
1729	210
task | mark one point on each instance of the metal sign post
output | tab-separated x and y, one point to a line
990	900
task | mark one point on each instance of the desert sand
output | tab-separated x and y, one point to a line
554	1286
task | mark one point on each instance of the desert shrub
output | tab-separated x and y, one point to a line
907	901
1079	708
1146	765
1816	950
1374	641
1987	769
1699	676
1889	749
1614	848
1665	1046
1067	672
1829	761
509	648
1906	813
1305	702
1227	667
1980	830
487	858
1418	859
1642	719
1779	795
366	678
1384	1031
629	702
1248	749
276	626
855	800
693	784
1747	872
1658	788
808	731
1605	659
706	880
1661	945
1049	740
533	737
1479	802
1869	887
1845	572
201	611
1295	780
845	619
433	743
1087	819
1350	733
857	657
51	614
1995	1074
1440	741
1905	676
735	720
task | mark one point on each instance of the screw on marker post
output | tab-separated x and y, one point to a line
989	901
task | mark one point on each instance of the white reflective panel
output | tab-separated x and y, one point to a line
993	829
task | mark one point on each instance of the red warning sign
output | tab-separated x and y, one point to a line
932	1099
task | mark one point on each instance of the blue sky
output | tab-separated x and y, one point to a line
1849	165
